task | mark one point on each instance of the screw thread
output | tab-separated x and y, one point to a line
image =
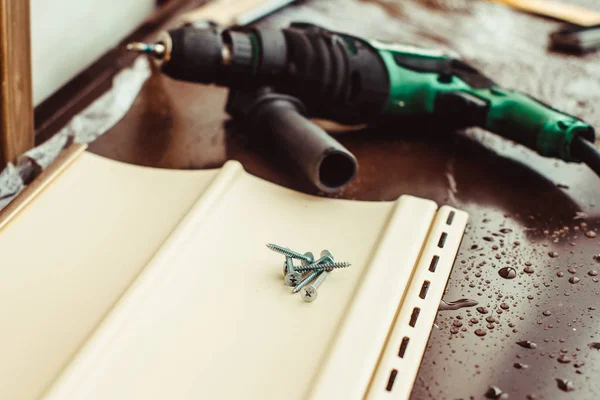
307	279
320	278
289	264
288	252
321	267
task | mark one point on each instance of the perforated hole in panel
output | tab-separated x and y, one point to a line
391	380
424	290
403	346
433	264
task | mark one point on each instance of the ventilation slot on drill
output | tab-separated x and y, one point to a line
403	346
442	240
391	380
434	263
414	316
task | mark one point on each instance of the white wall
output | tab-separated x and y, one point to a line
69	35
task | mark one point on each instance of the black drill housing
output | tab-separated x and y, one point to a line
336	76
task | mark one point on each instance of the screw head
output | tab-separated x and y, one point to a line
309	255
292	278
327	257
309	293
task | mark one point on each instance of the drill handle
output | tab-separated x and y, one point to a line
327	164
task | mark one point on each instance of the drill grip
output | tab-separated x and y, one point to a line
327	164
525	120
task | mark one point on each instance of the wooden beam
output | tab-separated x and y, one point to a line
16	103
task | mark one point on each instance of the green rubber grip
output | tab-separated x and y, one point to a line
519	117
511	114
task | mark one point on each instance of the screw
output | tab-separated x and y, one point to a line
326	258
309	292
291	276
289	253
307	279
285	264
326	266
309	255
291	260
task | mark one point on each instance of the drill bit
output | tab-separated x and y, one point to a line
156	50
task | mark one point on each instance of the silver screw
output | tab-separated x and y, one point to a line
309	292
326	258
326	266
289	259
291	275
307	279
310	256
289	253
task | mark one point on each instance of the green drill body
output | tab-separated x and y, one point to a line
510	113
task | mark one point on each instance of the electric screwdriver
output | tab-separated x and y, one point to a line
278	76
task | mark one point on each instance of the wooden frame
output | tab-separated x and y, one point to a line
16	99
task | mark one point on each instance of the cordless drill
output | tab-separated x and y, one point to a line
278	76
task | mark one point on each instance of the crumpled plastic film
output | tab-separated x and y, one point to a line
85	127
11	184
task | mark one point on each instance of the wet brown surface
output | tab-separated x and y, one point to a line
526	212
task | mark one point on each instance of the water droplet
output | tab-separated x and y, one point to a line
594	345
527	344
480	332
573	279
493	392
579	364
504	306
590	234
560	274
490	319
488	239
457	323
563	359
482	310
528	270
454	330
457	304
565	385
519	365
547	313
593	273
507	273
490	326
572	270
530	297
553	254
